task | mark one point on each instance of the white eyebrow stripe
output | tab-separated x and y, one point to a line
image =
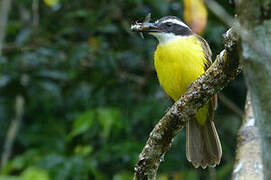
175	21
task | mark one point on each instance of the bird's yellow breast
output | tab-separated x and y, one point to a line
178	63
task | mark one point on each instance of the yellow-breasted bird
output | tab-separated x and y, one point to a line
180	57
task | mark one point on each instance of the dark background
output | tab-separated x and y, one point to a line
91	93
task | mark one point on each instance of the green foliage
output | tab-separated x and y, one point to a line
91	92
107	118
31	173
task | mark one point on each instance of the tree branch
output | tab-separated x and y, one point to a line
248	164
223	70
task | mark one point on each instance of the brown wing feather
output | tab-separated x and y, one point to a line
207	51
208	56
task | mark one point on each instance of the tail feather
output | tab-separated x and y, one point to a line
203	147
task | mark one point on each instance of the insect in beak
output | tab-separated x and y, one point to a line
146	20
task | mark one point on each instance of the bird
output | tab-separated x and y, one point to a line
181	56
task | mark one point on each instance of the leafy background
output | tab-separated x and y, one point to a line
91	93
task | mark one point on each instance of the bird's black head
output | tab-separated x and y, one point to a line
172	24
167	25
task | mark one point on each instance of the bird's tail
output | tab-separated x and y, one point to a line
203	147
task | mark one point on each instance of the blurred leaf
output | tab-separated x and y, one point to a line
83	150
78	53
109	28
21	161
95	43
195	14
190	174
23	36
51	87
51	161
33	173
9	178
177	175
78	13
83	123
109	118
4	80
51	2
163	177
123	176
225	171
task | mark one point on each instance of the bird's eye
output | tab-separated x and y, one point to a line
169	24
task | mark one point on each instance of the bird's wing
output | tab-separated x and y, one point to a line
207	51
208	56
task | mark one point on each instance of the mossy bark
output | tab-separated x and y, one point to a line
255	18
248	164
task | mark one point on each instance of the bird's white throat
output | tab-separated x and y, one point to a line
165	38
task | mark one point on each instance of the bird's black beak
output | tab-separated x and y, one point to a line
145	27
